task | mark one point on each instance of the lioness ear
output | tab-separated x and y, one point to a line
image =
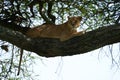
80	18
68	17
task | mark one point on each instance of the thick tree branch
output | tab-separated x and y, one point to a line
13	26
53	47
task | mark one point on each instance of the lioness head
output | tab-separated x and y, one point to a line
74	21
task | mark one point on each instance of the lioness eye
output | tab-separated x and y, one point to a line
75	21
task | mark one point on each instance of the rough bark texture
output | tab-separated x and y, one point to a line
53	47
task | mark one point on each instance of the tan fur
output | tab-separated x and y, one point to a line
63	31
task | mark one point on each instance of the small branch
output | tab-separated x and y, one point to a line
41	3
52	17
21	55
42	13
47	47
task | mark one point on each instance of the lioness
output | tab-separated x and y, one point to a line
63	31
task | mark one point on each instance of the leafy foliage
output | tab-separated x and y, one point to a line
95	13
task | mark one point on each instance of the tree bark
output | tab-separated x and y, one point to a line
47	47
